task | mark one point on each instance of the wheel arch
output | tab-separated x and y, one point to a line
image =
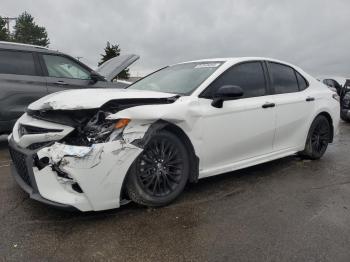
176	130
194	160
330	120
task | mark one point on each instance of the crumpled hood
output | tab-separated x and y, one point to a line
90	98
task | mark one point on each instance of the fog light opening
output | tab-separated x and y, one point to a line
77	188
42	162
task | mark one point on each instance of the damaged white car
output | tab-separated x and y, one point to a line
96	149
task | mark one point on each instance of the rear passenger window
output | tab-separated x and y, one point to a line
283	78
301	81
249	76
18	63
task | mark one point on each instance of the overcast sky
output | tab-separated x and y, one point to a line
313	34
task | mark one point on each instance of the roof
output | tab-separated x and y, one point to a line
229	61
239	59
25	47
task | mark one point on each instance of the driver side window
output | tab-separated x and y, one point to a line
249	76
60	66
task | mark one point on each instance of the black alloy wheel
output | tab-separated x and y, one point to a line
160	168
318	138
161	171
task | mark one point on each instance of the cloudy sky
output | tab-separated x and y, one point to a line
313	34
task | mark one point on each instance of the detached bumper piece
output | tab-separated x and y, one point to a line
22	170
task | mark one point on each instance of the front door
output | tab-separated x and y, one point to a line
65	73
242	129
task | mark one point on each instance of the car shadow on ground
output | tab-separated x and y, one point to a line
206	190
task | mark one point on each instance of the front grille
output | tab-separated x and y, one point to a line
34	130
38	145
19	160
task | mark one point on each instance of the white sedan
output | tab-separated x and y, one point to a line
95	149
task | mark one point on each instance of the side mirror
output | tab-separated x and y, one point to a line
227	92
95	77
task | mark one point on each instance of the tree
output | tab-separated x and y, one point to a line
26	31
4	34
110	52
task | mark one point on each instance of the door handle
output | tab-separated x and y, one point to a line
267	105
61	83
309	99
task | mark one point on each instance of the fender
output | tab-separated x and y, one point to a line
319	111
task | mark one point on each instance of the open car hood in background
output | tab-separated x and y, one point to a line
111	68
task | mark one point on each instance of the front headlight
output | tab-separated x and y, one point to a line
121	123
118	129
100	129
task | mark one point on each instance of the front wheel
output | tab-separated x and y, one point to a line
161	171
318	138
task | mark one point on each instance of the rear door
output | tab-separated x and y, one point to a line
21	82
294	106
62	72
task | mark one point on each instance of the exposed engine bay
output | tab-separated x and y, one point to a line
92	126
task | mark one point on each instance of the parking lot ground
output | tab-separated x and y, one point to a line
286	210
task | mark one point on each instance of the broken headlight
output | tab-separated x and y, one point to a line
118	129
100	129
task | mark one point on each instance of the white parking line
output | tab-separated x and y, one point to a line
5	163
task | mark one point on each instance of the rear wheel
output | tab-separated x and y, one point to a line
161	171
318	138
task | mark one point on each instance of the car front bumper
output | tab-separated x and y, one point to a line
99	172
22	171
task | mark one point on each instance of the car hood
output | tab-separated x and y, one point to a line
91	98
112	67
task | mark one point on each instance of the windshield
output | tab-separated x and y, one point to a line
180	79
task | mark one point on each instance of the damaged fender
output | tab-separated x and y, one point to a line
184	114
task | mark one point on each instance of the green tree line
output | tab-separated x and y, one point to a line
28	32
25	31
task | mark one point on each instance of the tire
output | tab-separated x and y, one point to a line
318	138
160	173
